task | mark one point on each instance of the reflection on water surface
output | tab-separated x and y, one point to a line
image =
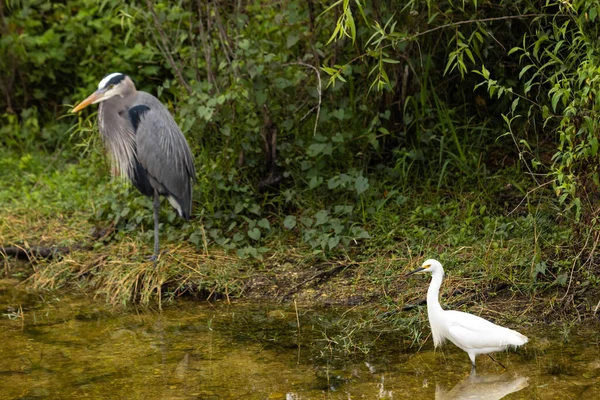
74	348
483	387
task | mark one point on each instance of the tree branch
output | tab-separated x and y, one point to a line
225	41
205	47
166	53
437	28
32	252
318	106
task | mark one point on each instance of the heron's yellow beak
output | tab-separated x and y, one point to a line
93	98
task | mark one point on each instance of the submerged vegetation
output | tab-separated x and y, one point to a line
336	144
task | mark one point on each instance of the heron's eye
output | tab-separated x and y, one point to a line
110	86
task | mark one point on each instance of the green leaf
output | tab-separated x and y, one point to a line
321	217
282	83
335	33
470	55
432	17
261	97
254	209
525	69
350	23
329	70
361	184
333	183
292	39
195	238
307	221
254	233
315	149
593	146
289	222
264	223
540	268
359	233
450	65
239	206
333	242
362	12
555	99
514	105
315	181
244	44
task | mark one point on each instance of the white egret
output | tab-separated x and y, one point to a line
469	332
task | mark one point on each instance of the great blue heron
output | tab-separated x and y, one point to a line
145	144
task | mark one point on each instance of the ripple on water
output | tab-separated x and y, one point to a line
70	347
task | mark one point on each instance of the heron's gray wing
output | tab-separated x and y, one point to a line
163	152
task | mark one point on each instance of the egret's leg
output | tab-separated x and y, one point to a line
499	363
472	357
156	204
473	371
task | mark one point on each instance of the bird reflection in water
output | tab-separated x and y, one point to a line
483	387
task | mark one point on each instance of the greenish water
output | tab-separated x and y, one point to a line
72	347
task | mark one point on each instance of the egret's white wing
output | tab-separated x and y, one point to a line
469	331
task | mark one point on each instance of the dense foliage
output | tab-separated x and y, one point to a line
326	123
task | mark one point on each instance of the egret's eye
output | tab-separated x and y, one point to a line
426	266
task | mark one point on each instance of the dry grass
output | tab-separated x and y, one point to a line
120	270
42	227
122	273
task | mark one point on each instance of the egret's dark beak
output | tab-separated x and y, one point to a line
415	271
93	98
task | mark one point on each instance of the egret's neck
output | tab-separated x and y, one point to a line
433	304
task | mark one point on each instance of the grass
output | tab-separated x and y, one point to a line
52	203
505	259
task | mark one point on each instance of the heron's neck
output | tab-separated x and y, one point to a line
433	292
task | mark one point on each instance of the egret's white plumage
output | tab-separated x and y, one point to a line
469	332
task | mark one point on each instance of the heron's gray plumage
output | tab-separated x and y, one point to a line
144	143
163	151
118	136
156	142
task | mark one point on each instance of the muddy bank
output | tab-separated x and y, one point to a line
121	275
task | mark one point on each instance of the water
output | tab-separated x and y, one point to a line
72	347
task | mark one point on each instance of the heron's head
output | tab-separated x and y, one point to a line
115	84
431	266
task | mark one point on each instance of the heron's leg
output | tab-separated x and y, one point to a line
499	363
156	204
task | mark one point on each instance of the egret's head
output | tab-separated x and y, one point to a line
115	84
430	266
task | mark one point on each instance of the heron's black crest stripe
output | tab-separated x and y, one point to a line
135	115
114	80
